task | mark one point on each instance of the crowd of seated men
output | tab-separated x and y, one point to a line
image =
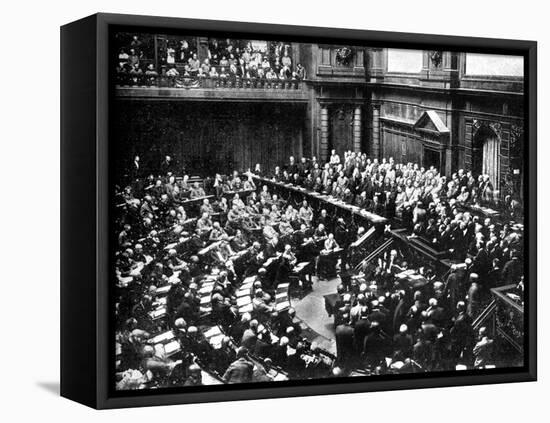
227	61
173	233
383	322
174	239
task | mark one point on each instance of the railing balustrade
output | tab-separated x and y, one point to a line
189	82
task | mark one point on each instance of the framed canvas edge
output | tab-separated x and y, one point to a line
233	393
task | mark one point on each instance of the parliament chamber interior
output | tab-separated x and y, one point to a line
290	211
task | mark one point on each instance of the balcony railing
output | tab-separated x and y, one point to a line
194	82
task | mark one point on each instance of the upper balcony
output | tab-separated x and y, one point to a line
150	86
185	67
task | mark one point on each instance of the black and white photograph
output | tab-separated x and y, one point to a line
276	211
291	210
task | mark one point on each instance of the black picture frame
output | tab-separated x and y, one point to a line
85	239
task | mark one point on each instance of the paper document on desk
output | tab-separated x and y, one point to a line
242	301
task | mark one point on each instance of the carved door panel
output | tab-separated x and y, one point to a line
341	133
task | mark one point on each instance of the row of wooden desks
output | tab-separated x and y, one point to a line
245	296
326	199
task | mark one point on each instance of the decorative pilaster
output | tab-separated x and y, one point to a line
376	130
324	132
357	129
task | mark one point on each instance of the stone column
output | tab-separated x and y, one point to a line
375	149
324	133
357	129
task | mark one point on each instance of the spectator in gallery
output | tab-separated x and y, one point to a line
194	64
172	72
170	56
150	71
213	72
133	58
241	68
136	70
245	57
186	71
300	71
233	71
183	49
261	73
122	68
253	72
286	60
270	74
123	56
135	43
205	67
285	72
224	62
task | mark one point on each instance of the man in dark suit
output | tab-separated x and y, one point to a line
241	370
303	167
292	167
166	165
325	220
462	334
344	344
402	344
136	171
271	248
513	270
454	284
374	346
484	349
494	278
362	328
481	264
